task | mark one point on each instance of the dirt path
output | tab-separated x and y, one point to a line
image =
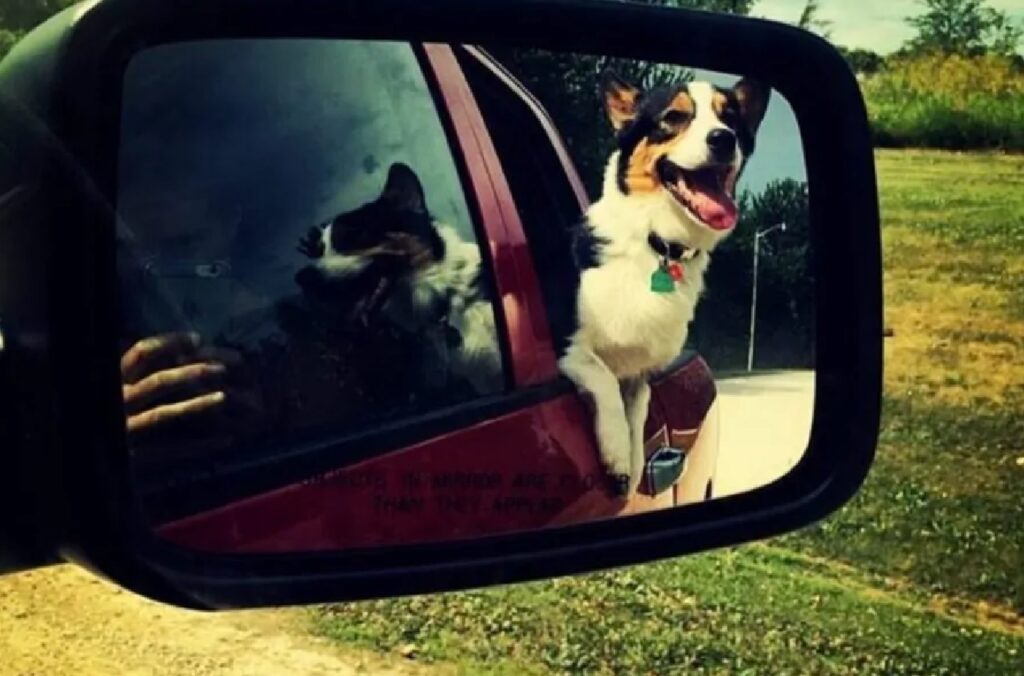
63	620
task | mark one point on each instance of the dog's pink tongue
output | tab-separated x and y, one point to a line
712	204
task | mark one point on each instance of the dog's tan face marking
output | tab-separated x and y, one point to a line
752	98
620	100
672	122
682	103
416	251
641	174
720	103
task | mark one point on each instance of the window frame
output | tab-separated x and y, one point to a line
551	196
545	121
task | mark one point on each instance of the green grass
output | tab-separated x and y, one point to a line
944	504
922	573
756	610
974	200
943	507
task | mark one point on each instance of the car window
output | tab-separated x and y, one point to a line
545	200
244	165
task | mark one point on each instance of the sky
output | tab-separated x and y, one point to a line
879	25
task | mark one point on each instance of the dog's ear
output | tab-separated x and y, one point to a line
403	189
753	98
620	99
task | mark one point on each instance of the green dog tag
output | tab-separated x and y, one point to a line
662	282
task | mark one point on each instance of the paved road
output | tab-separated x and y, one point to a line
765	424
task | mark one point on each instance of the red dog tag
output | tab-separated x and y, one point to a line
676	271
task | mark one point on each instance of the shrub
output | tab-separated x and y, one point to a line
785	305
7	40
862	61
948	101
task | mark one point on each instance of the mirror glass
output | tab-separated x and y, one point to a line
380	293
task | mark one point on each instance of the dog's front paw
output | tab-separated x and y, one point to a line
618	485
311	244
635	477
623	483
637	463
618	465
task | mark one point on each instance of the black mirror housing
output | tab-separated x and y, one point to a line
76	460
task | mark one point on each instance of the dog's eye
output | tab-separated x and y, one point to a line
675	117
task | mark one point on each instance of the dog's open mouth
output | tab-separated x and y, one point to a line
706	193
360	297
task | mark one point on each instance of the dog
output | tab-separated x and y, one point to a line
391	258
641	250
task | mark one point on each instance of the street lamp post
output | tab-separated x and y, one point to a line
753	293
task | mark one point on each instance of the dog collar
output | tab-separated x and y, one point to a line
673	251
669	270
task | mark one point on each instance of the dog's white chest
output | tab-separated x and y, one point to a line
632	328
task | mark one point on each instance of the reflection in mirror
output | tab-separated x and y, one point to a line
377	293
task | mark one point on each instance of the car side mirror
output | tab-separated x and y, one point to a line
410	297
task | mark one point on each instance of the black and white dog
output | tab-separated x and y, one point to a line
631	282
642	248
391	257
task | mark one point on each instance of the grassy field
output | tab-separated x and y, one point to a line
923	573
754	610
944	505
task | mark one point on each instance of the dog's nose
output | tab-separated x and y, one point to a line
722	143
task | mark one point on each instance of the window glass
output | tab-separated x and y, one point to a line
545	201
296	205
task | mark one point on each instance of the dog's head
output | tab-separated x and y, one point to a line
686	143
358	256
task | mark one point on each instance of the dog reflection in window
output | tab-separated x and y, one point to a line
389	260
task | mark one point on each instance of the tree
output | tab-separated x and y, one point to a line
786	287
727	6
967	27
17	17
811	21
23	15
7	40
863	61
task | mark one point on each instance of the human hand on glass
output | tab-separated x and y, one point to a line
178	389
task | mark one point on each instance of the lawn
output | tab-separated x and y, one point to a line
753	610
944	504
922	573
